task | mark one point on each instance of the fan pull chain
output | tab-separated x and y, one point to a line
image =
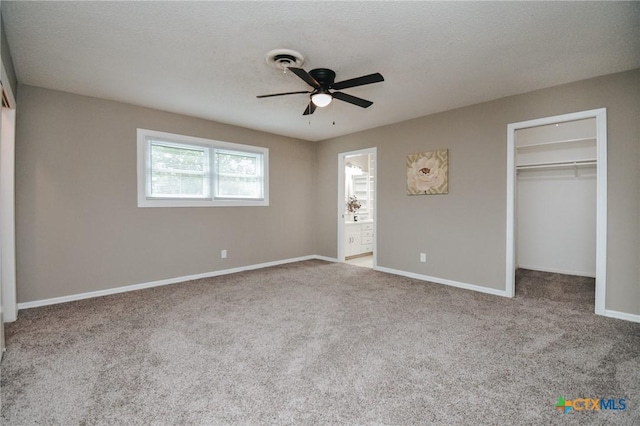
333	111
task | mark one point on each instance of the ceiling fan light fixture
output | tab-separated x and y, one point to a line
321	99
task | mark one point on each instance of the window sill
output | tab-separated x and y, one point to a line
202	203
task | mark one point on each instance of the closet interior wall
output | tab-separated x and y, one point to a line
556	198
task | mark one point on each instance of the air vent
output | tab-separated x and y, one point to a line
282	59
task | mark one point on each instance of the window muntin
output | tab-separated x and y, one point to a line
184	171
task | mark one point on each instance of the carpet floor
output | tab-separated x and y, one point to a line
321	343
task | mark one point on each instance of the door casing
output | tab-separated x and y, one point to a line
600	116
341	196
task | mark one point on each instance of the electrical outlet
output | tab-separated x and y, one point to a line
423	257
223	254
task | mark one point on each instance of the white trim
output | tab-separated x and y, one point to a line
143	165
458	284
558	271
341	197
176	280
7	88
325	258
601	211
7	215
621	315
601	198
510	280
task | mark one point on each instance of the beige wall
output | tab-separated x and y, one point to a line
79	228
78	225
463	233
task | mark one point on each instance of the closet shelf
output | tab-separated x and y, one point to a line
565	141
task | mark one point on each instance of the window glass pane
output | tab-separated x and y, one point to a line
178	171
239	175
237	163
176	185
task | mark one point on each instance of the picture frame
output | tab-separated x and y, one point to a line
428	173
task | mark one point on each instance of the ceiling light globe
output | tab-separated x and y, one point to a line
321	99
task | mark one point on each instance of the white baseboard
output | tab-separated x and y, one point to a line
444	281
558	271
621	315
133	287
473	287
325	258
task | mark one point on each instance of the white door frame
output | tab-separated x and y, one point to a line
7	206
341	206
600	116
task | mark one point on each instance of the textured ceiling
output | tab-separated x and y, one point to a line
207	59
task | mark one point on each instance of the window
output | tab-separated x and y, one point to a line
184	171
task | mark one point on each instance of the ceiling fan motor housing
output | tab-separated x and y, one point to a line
324	76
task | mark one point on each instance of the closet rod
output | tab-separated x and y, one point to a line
557	164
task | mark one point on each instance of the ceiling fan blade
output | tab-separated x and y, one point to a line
310	108
282	94
352	99
360	81
305	76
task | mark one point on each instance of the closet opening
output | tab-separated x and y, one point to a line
556	208
556	171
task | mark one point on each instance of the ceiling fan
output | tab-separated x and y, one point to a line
322	81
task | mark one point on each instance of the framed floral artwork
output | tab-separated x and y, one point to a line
428	173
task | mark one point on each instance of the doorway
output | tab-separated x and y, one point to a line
357	187
537	153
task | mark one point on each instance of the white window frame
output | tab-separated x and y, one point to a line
144	163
